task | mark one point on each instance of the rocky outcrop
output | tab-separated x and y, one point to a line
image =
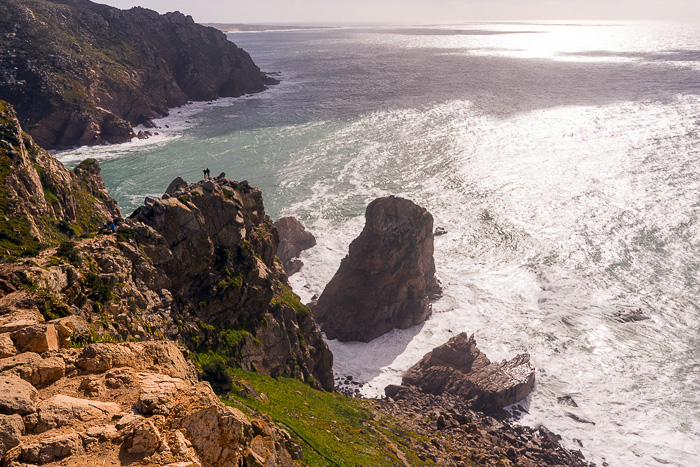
460	435
458	367
130	404
82	73
40	200
388	277
216	247
294	239
197	265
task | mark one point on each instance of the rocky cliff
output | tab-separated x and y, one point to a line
388	277
42	202
81	73
197	265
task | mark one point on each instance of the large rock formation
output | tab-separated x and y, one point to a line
40	200
294	239
388	277
81	73
216	248
197	265
458	367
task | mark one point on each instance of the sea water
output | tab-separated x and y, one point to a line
562	159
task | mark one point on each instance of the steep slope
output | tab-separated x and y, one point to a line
41	202
80	73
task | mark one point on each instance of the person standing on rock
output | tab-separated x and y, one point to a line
208	173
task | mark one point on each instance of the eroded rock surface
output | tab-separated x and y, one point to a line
388	277
129	404
294	239
458	367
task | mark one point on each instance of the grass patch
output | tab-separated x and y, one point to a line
333	430
80	340
289	298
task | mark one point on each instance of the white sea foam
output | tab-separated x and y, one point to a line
536	231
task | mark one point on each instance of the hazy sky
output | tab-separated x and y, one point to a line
419	11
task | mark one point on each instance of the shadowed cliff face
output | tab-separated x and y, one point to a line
80	73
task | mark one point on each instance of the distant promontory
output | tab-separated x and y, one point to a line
81	73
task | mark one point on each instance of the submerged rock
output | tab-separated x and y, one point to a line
458	367
625	315
388	277
294	239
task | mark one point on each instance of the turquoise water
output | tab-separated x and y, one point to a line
562	159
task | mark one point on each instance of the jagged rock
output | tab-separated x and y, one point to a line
32	368
7	347
51	449
16	396
163	357
77	199
61	410
19	319
218	242
626	315
388	277
11	430
175	185
294	239
39	338
458	367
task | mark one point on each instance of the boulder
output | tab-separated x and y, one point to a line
61	410
11	430
158	356
175	185
19	318
388	277
16	396
294	239
7	347
51	449
460	368
33	369
38	338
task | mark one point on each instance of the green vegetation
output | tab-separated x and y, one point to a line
80	340
97	288
68	251
333	430
124	234
289	298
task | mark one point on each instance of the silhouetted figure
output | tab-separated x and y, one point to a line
207	173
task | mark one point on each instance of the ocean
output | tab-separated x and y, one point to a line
562	159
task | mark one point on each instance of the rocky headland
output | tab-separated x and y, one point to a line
388	277
82	73
119	336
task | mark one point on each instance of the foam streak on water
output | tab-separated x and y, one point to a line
562	160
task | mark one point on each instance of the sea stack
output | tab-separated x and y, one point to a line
388	277
458	367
